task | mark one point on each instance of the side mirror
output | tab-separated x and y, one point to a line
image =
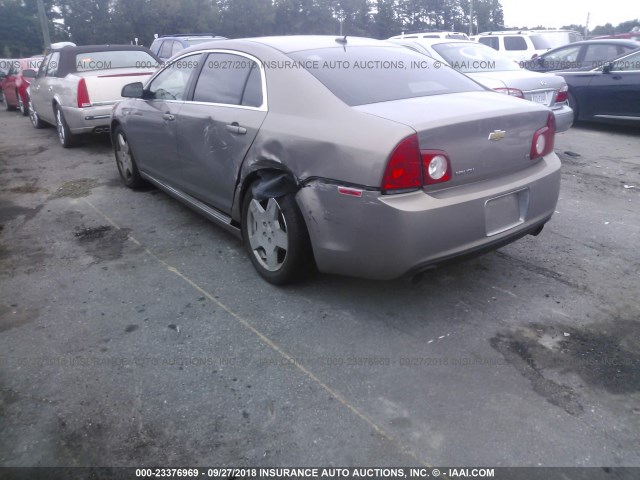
132	90
28	73
607	67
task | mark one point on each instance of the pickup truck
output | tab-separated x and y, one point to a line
75	88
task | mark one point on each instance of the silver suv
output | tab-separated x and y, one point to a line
517	45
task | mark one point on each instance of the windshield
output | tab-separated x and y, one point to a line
539	42
113	59
474	57
363	75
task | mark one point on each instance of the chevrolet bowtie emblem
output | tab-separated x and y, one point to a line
497	135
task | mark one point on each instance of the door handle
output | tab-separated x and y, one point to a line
168	116
236	128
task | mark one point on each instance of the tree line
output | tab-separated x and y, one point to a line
121	21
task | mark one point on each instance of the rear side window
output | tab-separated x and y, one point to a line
229	79
514	43
364	75
595	53
490	42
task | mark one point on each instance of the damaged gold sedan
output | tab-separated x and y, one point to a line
353	155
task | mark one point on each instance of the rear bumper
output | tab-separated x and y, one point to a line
564	118
387	236
88	120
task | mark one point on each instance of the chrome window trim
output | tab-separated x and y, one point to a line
265	102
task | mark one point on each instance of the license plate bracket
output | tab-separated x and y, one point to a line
506	211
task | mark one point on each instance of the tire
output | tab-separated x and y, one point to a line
574	106
33	116
127	167
67	139
7	107
276	238
24	109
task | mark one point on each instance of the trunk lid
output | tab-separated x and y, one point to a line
537	87
105	86
469	127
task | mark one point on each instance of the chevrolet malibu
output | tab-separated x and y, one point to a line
350	155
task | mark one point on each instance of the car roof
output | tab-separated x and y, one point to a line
97	48
603	41
509	32
610	41
292	43
432	41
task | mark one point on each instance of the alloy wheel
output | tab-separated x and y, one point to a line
267	231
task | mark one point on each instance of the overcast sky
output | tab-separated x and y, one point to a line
556	13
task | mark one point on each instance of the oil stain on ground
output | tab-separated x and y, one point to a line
604	355
103	242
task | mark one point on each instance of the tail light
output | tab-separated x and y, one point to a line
563	95
83	94
542	143
409	168
514	92
436	166
403	168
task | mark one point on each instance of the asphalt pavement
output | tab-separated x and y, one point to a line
133	332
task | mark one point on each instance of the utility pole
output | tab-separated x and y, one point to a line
586	27
471	18
44	24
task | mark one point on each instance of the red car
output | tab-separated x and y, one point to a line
14	84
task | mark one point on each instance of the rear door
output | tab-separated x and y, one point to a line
217	127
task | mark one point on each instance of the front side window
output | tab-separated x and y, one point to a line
43	66
52	67
512	43
628	63
171	83
229	79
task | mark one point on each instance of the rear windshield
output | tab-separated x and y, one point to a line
539	42
113	59
363	75
474	57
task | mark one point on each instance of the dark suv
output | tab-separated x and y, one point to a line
167	46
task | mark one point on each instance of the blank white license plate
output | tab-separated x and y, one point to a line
506	211
540	98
